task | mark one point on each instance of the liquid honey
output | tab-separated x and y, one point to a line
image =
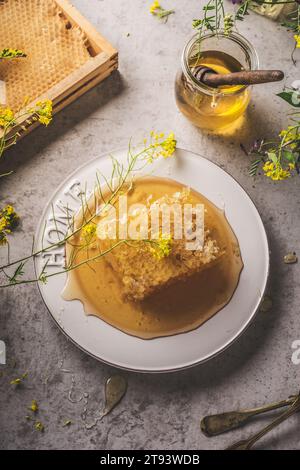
212	109
178	308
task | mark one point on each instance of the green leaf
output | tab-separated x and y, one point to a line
254	167
291	97
272	156
290	156
18	273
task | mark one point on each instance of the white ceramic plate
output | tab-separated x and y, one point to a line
114	347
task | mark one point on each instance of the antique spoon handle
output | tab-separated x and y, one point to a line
213	425
246	444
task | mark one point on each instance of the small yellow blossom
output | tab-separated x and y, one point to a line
8	221
169	145
275	171
297	39
291	135
88	232
154	7
7	117
157	10
43	110
11	53
39	426
162	247
161	145
34	406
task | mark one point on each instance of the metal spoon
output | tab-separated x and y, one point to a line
115	389
246	444
213	425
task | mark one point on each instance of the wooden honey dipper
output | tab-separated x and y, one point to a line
211	78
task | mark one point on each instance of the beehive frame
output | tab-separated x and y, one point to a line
103	61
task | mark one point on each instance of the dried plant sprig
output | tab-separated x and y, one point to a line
10	126
159	12
9	53
10	132
215	19
292	23
19	380
118	183
280	158
8	221
212	17
39	426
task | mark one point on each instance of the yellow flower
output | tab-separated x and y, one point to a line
268	166
8	221
6	117
297	39
284	132
275	171
154	7
39	426
161	145
34	406
11	54
162	247
43	110
169	145
88	232
161	13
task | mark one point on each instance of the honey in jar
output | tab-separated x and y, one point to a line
214	109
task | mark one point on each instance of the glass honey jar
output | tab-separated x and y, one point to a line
214	109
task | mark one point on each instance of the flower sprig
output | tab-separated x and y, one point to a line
8	221
215	19
19	380
292	23
8	53
160	145
280	158
119	183
10	121
162	247
161	13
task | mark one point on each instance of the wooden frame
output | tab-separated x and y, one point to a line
104	60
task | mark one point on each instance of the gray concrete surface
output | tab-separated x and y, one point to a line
159	411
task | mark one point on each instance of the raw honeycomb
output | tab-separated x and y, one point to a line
54	48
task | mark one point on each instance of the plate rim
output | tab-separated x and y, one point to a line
186	366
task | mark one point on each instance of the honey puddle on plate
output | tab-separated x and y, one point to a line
178	308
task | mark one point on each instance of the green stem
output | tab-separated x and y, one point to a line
31	281
123	177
